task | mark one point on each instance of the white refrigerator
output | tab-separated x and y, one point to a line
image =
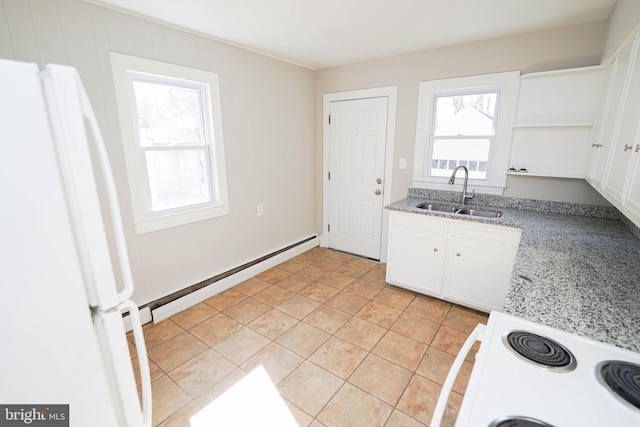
62	336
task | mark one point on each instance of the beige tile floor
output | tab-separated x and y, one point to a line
342	347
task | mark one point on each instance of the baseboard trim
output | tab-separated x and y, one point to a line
226	281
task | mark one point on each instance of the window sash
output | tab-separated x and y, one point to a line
481	175
153	204
204	101
154	209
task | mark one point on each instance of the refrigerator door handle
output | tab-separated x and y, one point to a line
145	376
111	193
438	412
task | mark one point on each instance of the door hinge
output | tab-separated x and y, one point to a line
329	228
329	118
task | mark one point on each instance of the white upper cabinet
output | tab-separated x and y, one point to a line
632	199
614	168
553	123
606	117
625	133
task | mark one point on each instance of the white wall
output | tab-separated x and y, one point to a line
272	121
268	119
624	17
574	46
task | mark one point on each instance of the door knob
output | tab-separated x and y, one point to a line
379	181
378	192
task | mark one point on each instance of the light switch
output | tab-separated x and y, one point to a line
403	163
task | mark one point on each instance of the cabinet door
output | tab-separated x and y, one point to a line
632	202
620	156
415	259
604	120
478	274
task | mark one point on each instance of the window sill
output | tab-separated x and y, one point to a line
149	225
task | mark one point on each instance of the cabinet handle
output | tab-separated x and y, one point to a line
637	148
596	145
627	147
435	249
458	254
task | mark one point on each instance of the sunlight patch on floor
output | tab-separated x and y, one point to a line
252	401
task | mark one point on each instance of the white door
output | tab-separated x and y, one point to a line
358	137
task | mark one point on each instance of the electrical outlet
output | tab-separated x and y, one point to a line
260	210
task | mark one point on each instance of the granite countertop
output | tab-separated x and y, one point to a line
573	271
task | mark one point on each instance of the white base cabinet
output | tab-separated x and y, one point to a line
416	252
460	261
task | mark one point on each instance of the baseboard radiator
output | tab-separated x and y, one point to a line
169	305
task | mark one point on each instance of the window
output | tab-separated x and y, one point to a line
172	134
465	122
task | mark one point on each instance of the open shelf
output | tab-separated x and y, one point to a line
546	175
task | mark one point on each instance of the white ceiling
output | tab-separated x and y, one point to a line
325	33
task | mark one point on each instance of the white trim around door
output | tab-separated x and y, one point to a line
391	92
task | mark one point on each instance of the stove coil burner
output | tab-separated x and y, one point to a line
518	422
541	350
622	378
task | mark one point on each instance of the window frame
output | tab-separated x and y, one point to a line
125	70
506	84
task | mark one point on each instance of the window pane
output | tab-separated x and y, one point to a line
465	114
466	151
168	115
177	178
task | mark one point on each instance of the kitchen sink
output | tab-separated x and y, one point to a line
483	214
461	211
430	207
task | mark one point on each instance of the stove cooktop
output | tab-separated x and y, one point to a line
528	374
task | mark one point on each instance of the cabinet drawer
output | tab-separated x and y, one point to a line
488	233
429	223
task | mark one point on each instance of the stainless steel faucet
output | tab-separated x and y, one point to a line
465	196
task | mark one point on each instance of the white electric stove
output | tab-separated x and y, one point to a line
526	374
